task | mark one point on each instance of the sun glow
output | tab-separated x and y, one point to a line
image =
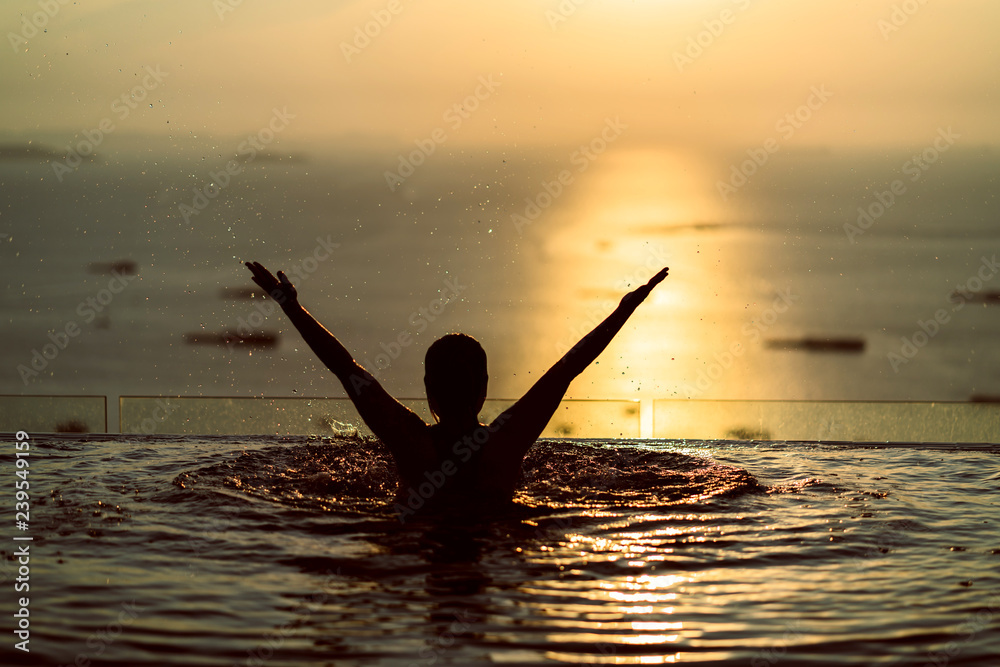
641	190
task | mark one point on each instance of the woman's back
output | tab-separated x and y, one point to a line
463	470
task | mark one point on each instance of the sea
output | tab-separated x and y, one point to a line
526	250
821	274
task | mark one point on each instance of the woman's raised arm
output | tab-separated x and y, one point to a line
388	419
326	346
526	419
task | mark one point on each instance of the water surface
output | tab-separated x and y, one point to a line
287	551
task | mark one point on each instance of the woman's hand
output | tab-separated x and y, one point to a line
637	296
280	289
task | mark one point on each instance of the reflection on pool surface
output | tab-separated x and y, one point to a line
287	551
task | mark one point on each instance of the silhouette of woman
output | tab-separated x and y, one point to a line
457	465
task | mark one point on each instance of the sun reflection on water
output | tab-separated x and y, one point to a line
632	212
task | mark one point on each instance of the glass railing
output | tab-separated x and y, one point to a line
54	414
830	421
827	421
325	416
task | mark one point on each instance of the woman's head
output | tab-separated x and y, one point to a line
455	377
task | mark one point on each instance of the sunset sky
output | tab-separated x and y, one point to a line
560	69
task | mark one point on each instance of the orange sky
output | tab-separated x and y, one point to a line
561	69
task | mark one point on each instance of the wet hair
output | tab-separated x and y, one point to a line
455	376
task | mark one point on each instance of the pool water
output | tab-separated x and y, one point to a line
157	550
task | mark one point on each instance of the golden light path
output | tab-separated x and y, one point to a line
633	211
